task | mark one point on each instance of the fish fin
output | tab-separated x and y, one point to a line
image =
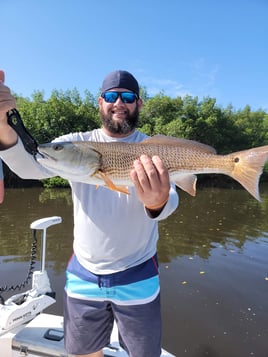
187	183
181	142
109	184
248	167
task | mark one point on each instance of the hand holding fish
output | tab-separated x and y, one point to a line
8	137
151	180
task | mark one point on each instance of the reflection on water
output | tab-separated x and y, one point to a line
215	218
213	252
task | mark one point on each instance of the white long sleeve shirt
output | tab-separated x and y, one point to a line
112	230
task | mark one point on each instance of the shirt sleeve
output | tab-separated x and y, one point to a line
23	163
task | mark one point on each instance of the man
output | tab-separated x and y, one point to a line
113	273
2	188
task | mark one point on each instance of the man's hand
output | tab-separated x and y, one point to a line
8	136
7	101
151	180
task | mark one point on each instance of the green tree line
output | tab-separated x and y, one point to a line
226	129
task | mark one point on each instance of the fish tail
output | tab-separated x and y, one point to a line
248	167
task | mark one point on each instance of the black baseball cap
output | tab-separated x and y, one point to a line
120	79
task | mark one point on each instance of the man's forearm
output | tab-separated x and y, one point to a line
23	163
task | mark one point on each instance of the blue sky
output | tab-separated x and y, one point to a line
216	48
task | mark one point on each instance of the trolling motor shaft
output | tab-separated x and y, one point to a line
43	224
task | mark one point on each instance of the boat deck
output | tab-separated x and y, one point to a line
44	337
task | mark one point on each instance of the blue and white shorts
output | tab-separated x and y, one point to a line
131	297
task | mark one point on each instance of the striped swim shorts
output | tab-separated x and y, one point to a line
131	297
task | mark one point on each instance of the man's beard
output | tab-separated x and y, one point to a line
126	126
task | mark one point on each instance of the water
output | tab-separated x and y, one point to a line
213	254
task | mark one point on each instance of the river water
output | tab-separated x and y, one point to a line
213	254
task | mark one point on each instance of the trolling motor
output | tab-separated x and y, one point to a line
23	307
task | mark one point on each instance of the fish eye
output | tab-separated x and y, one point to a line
57	147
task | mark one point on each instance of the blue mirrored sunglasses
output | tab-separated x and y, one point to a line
126	97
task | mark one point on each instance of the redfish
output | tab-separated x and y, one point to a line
109	164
